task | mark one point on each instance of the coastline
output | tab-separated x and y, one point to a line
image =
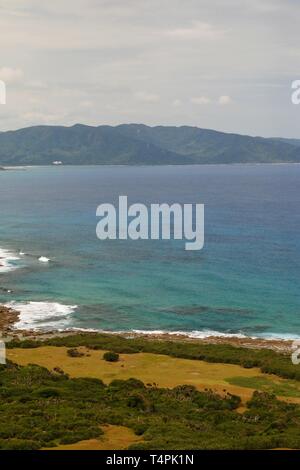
9	316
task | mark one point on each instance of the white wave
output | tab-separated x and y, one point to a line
197	334
192	334
201	334
279	336
189	334
42	315
7	259
43	259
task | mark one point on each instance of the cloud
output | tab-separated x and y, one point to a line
151	62
35	118
86	104
200	100
147	97
224	100
37	85
11	75
176	103
197	30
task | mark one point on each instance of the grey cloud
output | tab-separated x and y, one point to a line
112	61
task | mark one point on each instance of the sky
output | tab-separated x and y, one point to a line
218	64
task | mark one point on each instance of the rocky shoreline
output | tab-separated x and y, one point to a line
279	345
9	316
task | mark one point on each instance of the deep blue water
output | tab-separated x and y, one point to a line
245	280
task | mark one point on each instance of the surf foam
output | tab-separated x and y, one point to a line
197	334
42	315
7	259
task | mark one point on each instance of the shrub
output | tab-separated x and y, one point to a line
73	352
19	444
140	429
48	392
129	384
136	401
111	356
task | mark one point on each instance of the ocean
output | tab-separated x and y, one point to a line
245	281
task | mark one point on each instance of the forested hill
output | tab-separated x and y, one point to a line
137	144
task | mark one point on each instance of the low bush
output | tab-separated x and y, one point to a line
111	356
47	392
73	352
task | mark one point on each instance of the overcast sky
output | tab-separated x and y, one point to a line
221	64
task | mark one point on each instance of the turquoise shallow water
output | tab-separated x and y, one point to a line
245	280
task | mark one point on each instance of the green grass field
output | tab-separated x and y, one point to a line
164	371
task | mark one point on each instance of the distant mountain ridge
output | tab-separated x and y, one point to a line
138	144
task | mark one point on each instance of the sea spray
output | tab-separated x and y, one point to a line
42	315
7	260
